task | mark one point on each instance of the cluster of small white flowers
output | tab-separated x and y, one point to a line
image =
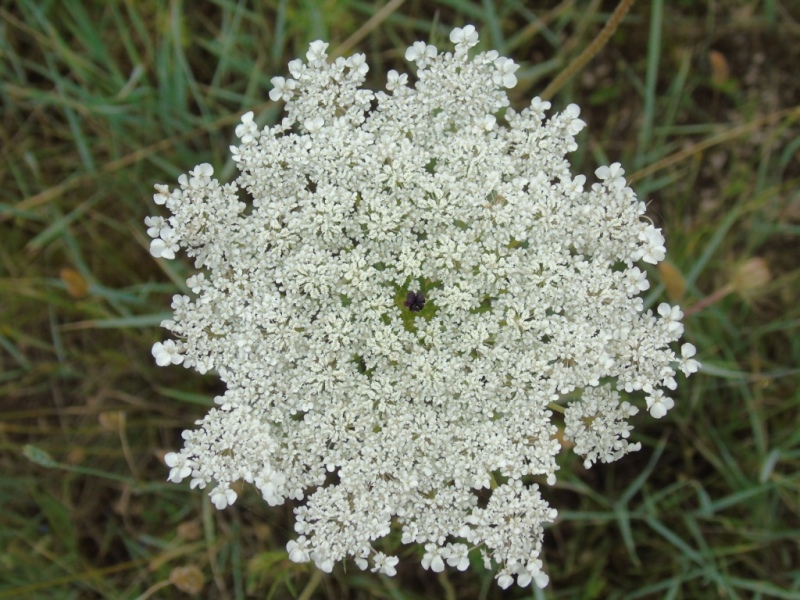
416	278
599	426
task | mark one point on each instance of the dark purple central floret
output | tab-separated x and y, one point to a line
415	301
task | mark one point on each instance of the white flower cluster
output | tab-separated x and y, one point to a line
416	278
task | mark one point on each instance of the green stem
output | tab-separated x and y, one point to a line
312	584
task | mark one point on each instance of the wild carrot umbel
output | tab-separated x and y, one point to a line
415	279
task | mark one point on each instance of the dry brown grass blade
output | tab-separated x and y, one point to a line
363	31
56	191
725	136
591	50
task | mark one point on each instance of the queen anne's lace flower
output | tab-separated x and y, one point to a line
417	277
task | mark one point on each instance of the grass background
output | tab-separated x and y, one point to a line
698	99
